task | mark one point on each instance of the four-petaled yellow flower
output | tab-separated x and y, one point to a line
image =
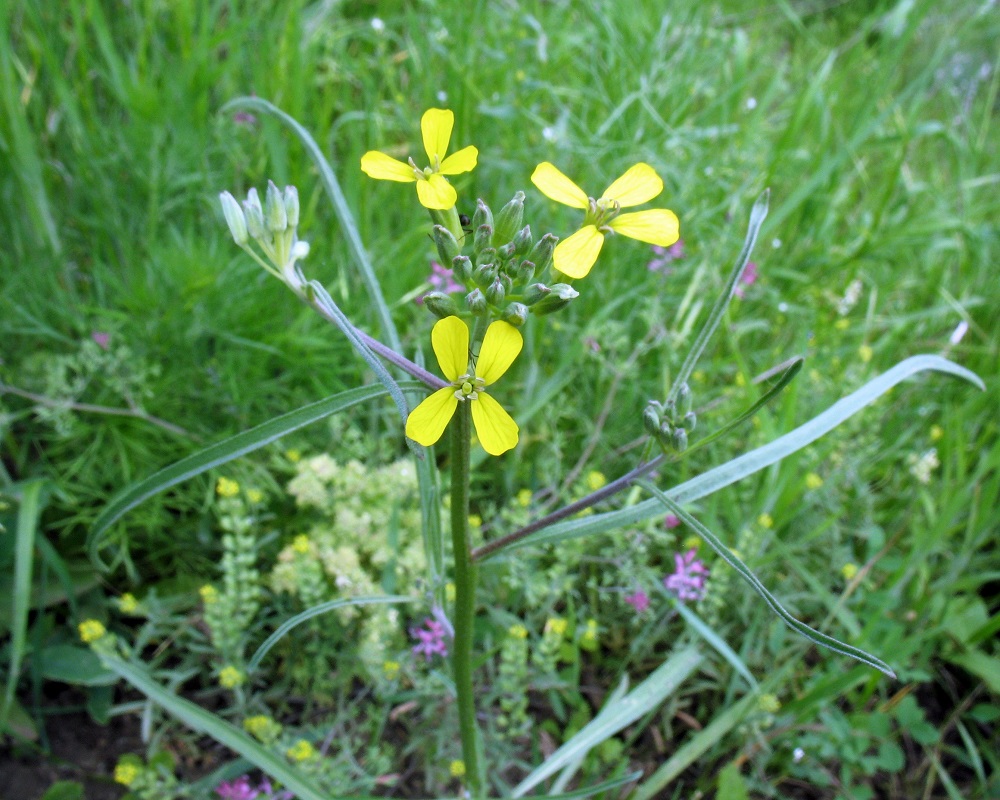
433	188
577	254
495	428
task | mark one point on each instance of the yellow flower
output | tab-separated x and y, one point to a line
91	630
255	495
576	255
595	480
227	488
849	571
524	498
588	641
127	603
126	773
390	669
475	521
262	727
495	428
691	543
518	631
293	455
457	768
301	751
300	544
813	481
433	189
556	626
230	678
769	704
936	432
765	520
209	594
865	353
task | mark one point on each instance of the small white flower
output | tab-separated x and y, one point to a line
782	307
776	243
442	96
378	25
798	754
549	133
751	103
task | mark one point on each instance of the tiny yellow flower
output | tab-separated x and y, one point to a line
556	626
262	727
230	677
255	495
227	488
449	592
496	429
127	603
518	631
300	544
691	543
576	255
126	773
768	703
91	630
293	455
390	669
595	480
209	594
301	751
524	498
765	520
741	380
849	571
813	481
433	188
936	432
842	324
588	641
457	768
475	521
865	353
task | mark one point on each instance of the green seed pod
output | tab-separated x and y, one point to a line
516	314
522	240
292	206
447	244
440	304
510	219
483	216
541	253
274	209
495	293
558	298
535	292
461	267
254	215
234	218
476	301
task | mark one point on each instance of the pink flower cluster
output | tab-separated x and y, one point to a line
687	581
442	279
430	639
664	256
748	278
240	789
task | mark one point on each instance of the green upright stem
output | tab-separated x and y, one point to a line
465	597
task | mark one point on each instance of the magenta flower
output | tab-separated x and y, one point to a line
664	256
430	639
748	278
101	338
671	521
687	582
639	600
442	279
238	789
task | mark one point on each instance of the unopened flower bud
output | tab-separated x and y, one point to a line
292	206
651	419
495	293
666	431
689	421
476	301
523	240
274	209
485	275
234	218
670	411
488	255
559	297
447	244
524	271
461	268
254	214
535	292
680	440
516	314
506	252
484	238
684	398
483	216
541	253
509	220
441	305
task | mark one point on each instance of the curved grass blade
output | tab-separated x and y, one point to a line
315	611
799	627
223	452
28	512
340	207
749	463
614	716
579	794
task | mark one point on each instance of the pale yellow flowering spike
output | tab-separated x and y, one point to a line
638	185
576	255
495	428
433	189
656	226
556	186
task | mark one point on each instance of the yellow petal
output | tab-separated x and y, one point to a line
462	161
500	347
450	340
576	255
435	192
436	125
427	421
556	186
495	428
655	226
386	168
639	184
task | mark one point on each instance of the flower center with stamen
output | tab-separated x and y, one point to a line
601	212
468	387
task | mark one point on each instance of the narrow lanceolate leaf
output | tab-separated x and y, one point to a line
340	207
315	611
749	463
614	716
744	572
226	451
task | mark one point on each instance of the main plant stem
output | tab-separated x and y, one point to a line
465	597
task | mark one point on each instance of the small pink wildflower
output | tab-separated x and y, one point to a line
101	338
748	278
671	521
639	600
664	256
430	639
442	279
244	118
687	582
239	789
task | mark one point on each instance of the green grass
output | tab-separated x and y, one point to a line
873	124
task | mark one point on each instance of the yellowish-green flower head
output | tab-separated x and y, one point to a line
576	255
262	727
91	630
495	428
433	188
126	773
518	631
556	626
227	487
457	768
301	751
849	571
391	670
230	677
128	604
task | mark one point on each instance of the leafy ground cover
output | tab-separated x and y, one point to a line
135	332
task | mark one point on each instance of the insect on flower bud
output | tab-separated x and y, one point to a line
440	304
254	214
234	218
516	314
461	268
541	253
292	206
510	218
484	236
558	298
495	293
274	209
476	301
483	216
447	244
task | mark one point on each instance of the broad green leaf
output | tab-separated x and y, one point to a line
663	682
64	790
731	784
983	666
70	663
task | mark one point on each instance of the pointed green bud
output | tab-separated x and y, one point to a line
522	240
495	292
292	206
440	305
487	255
508	284
680	440
651	419
558	298
506	252
476	301
536	292
447	244
254	215
689	421
274	209
484	236
234	218
670	411
525	271
483	216
666	432
509	219
684	398
541	253
485	275
516	314
461	267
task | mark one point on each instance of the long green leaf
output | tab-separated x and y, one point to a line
749	463
315	611
24	550
340	207
746	573
588	791
613	717
223	452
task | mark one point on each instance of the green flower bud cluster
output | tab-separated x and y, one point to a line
670	423
273	226
501	272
